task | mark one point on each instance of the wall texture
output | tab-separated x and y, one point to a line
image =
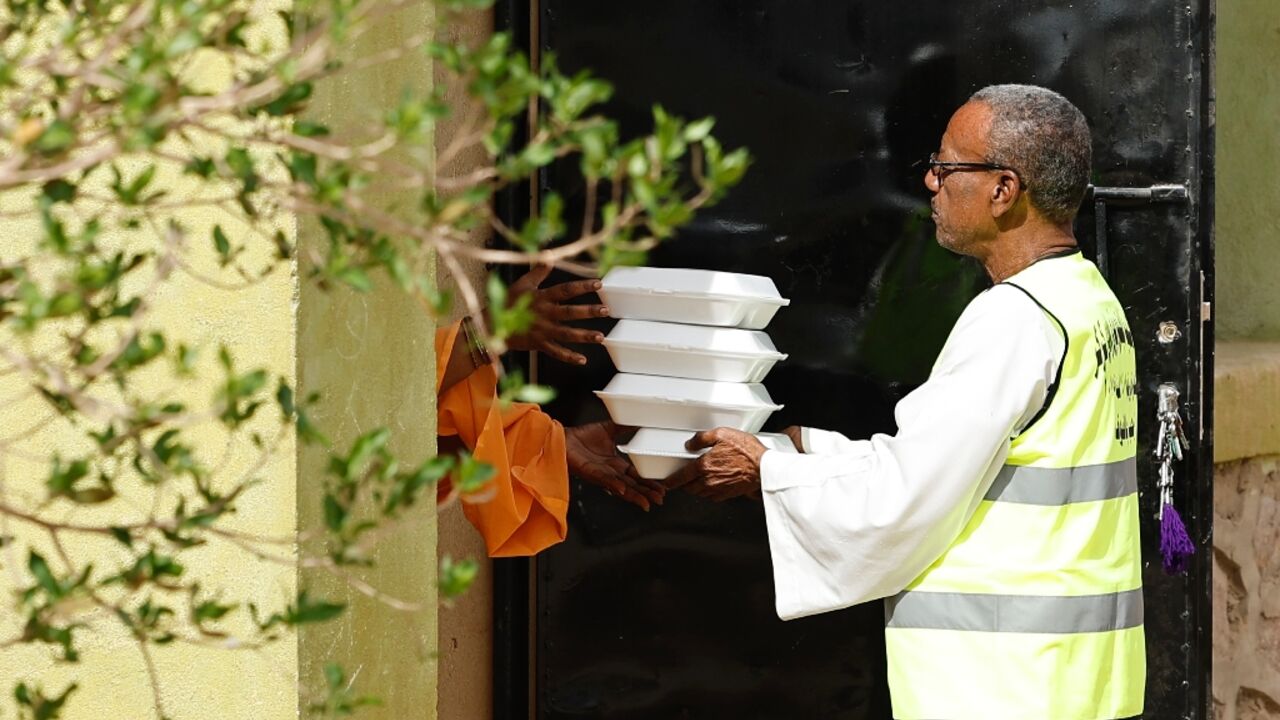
1248	194
372	358
1246	529
258	324
1246	590
466	626
1246	554
111	675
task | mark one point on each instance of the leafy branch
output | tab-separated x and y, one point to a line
146	144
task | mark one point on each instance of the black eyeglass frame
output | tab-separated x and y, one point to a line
941	168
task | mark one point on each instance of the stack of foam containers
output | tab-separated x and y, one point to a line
691	352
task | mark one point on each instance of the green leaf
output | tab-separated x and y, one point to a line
291	100
184	42
732	167
308	432
63	478
222	245
538	154
456	576
201	166
644	191
131	194
404	492
150	567
333	676
284	250
356	278
306	128
184	361
698	130
123	536
284	397
363	450
240	163
39	705
56	191
496	291
141	350
473	475
498	138
539	394
207	610
340	700
44	576
302	168
513	387
335	516
569	102
311	611
236	395
57	137
55	233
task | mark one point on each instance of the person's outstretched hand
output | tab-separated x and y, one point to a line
551	312
594	457
729	469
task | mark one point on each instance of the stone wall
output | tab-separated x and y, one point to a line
1246	590
1246	530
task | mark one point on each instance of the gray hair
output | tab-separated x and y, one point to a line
1045	138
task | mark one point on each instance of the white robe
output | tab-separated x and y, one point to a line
855	520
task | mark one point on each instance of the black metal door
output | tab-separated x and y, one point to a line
670	614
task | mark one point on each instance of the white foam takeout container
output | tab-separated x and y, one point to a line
657	453
700	297
691	351
684	404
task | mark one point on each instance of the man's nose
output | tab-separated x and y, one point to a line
931	181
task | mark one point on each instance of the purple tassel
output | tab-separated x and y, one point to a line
1175	544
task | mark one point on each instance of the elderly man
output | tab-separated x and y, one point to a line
1001	521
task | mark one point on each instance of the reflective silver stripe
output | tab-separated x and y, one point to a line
1014	613
1063	486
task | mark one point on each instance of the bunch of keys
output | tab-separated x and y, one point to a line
1170	443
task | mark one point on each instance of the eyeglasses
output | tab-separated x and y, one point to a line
941	169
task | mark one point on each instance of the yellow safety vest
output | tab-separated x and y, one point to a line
1035	611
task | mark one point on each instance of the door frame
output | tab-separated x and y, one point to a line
514	582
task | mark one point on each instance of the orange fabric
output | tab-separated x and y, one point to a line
529	506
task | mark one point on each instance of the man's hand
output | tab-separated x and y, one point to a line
731	468
593	456
550	313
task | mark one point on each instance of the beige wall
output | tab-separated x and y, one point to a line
466	626
112	677
372	356
258	324
1248	147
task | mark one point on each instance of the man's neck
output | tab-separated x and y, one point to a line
1015	251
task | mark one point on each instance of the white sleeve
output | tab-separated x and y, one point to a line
852	521
823	441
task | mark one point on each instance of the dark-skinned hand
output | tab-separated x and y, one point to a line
729	469
594	457
551	311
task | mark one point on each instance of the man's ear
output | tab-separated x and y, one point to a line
1005	194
